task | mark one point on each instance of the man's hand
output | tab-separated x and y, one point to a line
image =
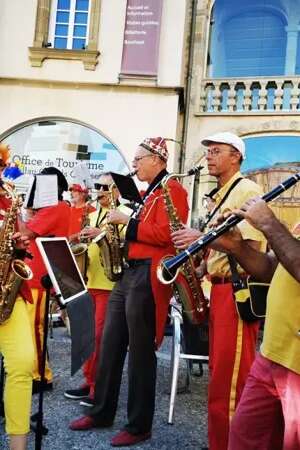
89	233
185	236
257	213
116	217
21	241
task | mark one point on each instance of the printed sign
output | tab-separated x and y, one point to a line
141	37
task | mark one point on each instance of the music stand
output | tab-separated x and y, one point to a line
71	292
127	188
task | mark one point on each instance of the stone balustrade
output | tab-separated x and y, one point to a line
280	95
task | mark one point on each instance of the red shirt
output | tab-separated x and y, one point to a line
76	216
154	241
48	221
4	204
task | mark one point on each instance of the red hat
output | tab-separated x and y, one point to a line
156	145
78	188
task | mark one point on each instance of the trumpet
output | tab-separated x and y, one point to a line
170	267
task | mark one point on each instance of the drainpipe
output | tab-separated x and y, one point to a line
188	85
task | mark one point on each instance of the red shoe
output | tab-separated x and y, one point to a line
124	439
83	423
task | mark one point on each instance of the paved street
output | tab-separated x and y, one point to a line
188	431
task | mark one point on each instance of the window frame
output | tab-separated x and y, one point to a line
41	49
71	24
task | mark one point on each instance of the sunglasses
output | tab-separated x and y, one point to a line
101	187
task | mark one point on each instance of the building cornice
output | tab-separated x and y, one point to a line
59	84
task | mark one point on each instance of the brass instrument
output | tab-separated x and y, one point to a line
12	271
80	249
187	286
110	245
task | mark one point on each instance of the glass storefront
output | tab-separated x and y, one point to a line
67	145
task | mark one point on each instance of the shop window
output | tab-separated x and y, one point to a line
66	29
63	144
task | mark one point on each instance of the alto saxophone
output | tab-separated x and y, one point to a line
12	271
187	286
110	245
80	249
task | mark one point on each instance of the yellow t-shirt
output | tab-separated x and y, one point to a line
217	263
95	271
281	342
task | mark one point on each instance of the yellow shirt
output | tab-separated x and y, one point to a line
217	263
281	342
95	271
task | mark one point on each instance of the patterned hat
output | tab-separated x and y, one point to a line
4	154
157	146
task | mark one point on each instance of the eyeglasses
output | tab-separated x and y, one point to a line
215	152
138	158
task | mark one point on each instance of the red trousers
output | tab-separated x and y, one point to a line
100	299
268	415
232	344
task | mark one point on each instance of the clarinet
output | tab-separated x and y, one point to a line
170	266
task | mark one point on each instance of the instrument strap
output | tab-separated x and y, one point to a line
216	209
99	221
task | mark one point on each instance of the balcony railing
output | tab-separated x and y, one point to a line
279	95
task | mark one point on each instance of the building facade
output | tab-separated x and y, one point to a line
246	79
89	79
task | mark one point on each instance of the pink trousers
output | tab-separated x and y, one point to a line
268	414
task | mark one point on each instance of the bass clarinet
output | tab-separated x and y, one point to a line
170	267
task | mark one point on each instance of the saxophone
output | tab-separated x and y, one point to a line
12	271
111	247
80	250
187	287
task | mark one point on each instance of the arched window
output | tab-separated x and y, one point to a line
248	38
62	143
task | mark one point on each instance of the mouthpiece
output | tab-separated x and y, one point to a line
195	169
131	174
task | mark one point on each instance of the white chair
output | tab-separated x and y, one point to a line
176	320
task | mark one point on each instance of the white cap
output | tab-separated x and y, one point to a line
227	138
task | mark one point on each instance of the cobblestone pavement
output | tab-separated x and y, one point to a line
188	431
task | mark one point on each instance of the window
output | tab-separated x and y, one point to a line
64	144
250	38
66	29
69	24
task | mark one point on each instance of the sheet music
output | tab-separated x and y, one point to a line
46	191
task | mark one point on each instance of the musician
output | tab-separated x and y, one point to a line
231	341
138	306
99	287
16	347
79	209
47	221
267	416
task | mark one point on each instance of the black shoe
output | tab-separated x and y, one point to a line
78	394
37	386
87	402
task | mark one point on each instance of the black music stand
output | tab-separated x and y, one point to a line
127	188
83	341
39	429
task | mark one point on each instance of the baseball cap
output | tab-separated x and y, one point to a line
78	188
226	138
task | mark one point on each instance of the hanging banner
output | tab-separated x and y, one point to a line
141	37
